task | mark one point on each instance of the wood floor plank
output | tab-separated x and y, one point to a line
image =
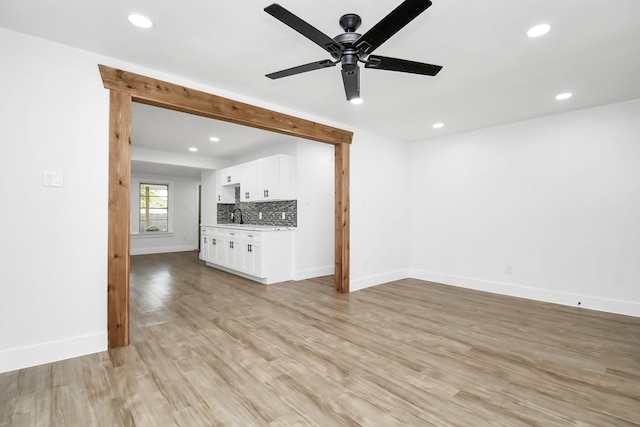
211	349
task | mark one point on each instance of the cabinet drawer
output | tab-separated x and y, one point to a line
252	236
233	234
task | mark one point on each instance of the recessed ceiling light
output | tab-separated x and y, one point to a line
356	101
140	20
214	139
438	125
194	149
538	30
563	96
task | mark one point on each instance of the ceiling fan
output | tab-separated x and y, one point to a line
349	48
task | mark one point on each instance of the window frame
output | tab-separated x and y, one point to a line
135	207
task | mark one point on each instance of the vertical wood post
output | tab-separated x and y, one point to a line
342	218
119	217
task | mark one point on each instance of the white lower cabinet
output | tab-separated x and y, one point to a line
233	247
252	254
263	256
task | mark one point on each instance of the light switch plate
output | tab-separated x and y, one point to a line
52	179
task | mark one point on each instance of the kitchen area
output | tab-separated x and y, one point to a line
256	219
256	204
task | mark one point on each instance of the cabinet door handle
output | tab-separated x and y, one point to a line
246	195
266	193
230	245
218	197
213	242
248	248
205	240
228	178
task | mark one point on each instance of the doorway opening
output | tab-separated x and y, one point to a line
125	88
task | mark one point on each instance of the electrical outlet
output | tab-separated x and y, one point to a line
259	215
284	215
508	269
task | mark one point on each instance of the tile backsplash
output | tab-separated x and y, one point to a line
271	212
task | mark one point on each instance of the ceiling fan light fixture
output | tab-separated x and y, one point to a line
356	101
538	30
140	21
563	96
438	125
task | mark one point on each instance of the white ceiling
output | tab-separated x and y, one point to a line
493	73
166	130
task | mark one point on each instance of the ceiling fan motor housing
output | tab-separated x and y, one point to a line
350	22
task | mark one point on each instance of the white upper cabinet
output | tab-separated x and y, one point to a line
228	180
276	179
269	179
230	176
249	186
273	176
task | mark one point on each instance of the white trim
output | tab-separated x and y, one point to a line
310	273
163	249
589	302
378	279
39	354
150	235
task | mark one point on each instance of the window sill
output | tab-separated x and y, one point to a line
151	234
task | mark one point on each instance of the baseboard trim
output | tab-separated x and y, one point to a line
162	250
311	273
377	279
589	302
40	354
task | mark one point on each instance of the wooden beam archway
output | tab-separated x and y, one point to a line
126	87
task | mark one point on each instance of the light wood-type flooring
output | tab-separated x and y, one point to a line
209	348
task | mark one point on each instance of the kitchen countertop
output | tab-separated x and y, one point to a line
253	227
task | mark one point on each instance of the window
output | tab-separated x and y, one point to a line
154	208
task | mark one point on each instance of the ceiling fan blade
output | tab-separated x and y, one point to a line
304	28
351	80
402	65
325	63
391	24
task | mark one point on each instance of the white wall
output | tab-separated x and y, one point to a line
53	288
314	237
556	198
209	213
380	210
183	214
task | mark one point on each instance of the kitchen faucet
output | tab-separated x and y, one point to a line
233	215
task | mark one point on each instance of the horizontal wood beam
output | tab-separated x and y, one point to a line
167	95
